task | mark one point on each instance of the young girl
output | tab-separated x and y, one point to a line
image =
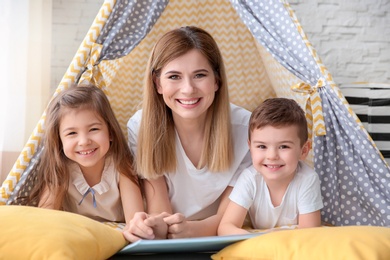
86	164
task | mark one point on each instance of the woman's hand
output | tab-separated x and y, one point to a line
144	226
178	226
157	223
137	229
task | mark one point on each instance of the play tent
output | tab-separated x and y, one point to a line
267	54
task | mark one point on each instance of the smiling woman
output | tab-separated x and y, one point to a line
188	87
185	136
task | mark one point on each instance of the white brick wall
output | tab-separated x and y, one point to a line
71	22
352	37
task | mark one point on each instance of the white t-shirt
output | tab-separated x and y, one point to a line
107	195
195	192
302	196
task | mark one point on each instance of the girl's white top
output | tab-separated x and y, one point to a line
107	195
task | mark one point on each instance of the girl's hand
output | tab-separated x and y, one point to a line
178	226
137	229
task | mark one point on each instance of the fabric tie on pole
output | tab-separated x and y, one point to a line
93	74
313	104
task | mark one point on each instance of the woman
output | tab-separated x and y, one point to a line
184	138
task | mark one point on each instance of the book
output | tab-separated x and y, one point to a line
199	244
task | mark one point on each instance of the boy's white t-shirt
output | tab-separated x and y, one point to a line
195	192
302	196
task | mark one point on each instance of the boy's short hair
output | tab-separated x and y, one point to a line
279	112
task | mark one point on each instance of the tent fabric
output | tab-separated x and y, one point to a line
267	54
129	23
354	176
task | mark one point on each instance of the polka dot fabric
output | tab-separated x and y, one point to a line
355	181
271	24
129	22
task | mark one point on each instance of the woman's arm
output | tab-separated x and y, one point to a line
179	227
312	219
232	220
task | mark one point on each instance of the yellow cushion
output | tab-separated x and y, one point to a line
35	233
347	242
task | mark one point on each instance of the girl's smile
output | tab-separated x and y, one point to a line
85	139
87	152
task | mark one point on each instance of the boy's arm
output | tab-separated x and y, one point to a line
232	220
308	220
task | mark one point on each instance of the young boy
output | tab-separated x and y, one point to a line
279	189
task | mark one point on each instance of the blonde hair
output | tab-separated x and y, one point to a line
53	172
156	150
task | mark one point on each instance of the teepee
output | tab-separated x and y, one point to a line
267	54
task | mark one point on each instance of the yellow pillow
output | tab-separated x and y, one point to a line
347	242
35	233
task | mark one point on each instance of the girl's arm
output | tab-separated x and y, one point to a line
158	206
308	220
152	226
133	210
232	220
156	194
131	197
47	199
179	227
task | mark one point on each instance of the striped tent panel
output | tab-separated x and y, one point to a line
371	103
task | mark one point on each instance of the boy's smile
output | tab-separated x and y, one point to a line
276	151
